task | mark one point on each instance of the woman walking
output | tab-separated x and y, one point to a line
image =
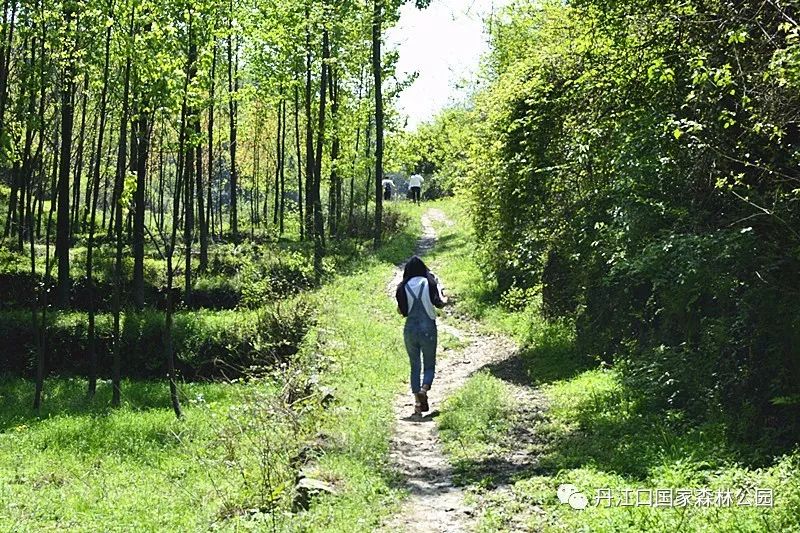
417	297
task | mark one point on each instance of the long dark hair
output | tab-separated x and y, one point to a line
415	267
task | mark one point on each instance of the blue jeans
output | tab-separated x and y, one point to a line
420	338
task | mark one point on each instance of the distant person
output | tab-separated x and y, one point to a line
387	185
417	297
415	183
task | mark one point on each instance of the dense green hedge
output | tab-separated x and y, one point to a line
207	344
240	279
639	165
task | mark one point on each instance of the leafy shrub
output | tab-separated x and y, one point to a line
652	198
207	344
218	292
437	186
394	222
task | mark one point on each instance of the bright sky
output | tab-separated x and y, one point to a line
444	44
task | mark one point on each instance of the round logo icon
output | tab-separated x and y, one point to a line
578	500
565	491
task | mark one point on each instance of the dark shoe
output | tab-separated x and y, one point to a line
418	403
423	398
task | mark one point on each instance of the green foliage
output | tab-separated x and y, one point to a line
437	150
207	344
232	461
598	436
638	166
593	427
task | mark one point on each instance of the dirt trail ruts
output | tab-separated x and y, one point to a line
435	503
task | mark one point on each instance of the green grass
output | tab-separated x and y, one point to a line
596	434
362	334
474	421
83	466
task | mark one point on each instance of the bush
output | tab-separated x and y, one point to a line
638	185
217	292
207	344
394	222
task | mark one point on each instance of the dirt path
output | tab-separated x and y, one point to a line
435	503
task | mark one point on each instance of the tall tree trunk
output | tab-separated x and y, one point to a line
161	206
309	222
319	224
63	219
95	180
276	200
26	180
201	213
39	157
192	124
6	48
142	153
334	210
233	89
37	337
42	329
88	194
369	172
211	89
15	222
41	356
169	352
119	183
188	225
283	171
299	159
259	213
76	179
352	202
220	188
377	70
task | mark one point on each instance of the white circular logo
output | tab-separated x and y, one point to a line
578	500
568	493
565	491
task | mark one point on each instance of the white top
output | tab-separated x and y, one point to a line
413	286
387	182
415	181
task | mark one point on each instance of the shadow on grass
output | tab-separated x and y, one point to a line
593	421
550	354
67	396
603	431
612	433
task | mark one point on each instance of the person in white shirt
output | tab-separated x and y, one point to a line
415	182
387	185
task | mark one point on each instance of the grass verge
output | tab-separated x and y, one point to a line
596	434
232	461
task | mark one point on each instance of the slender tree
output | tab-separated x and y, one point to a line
78	171
95	180
377	71
299	159
233	90
319	224
119	184
67	119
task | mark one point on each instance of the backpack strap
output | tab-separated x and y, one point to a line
421	290
418	297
